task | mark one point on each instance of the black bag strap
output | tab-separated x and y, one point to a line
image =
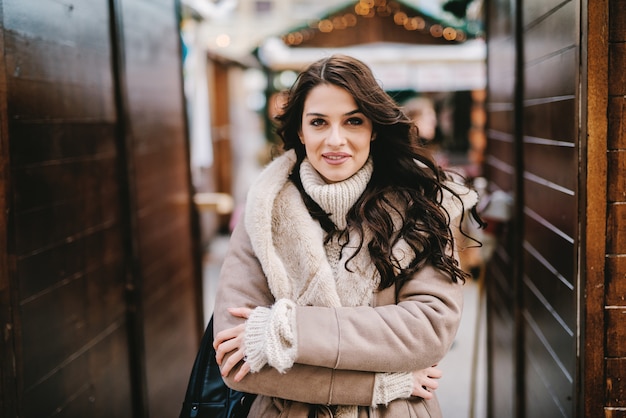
207	395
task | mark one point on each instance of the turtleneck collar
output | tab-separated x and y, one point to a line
335	198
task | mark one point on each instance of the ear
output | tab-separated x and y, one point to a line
300	137
373	136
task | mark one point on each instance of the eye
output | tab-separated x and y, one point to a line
317	122
355	121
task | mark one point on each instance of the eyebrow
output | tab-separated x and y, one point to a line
345	114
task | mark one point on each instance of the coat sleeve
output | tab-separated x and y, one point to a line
243	283
411	335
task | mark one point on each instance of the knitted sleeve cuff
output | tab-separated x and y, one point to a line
270	337
391	386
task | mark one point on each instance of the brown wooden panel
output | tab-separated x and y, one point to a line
554	119
617	123
550	33
616	170
553	288
67	238
615	383
617	63
537	9
547	393
616	229
94	385
77	314
553	78
501	337
554	339
616	333
41	272
499	168
501	70
617	20
501	119
160	181
80	35
616	281
558	250
49	141
555	205
552	162
501	361
42	185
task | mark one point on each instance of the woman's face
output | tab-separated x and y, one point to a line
335	134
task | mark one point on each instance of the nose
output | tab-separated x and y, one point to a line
335	137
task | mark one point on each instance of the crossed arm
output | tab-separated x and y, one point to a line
340	350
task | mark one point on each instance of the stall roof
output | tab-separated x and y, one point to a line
376	21
406	48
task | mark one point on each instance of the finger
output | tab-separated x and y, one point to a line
243	371
422	392
224	335
231	362
225	348
435	373
431	384
240	312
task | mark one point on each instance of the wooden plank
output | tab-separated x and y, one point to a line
551	78
617	21
10	397
593	137
616	280
552	287
553	203
159	201
616	228
554	341
617	123
616	168
617	63
550	34
616	334
552	120
615	382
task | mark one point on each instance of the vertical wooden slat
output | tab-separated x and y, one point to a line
595	84
615	305
126	175
64	210
166	273
501	164
95	199
9	352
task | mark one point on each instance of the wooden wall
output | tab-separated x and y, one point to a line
501	167
533	154
612	54
556	143
99	265
550	188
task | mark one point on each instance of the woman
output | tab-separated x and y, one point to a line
340	289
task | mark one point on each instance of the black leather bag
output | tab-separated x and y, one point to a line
207	395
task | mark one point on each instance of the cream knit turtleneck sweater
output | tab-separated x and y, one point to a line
335	198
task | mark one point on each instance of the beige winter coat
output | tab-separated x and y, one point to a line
277	252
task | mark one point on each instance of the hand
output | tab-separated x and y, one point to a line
231	341
424	382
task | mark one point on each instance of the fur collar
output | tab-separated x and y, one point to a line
289	243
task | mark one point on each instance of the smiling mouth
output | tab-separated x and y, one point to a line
335	157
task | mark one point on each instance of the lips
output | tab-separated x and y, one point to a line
335	158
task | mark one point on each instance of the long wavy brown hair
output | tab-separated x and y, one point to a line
406	182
